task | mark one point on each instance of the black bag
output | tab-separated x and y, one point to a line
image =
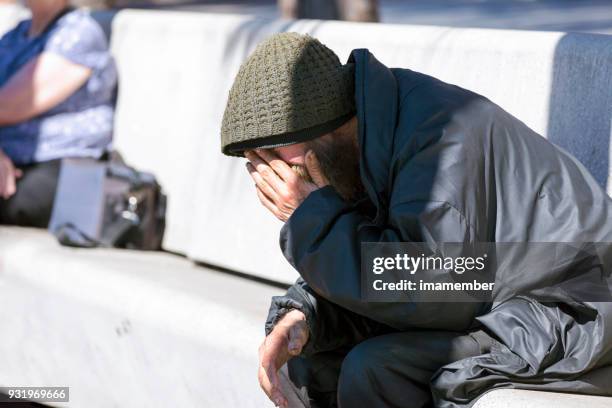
107	204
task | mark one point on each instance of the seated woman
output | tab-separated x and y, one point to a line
57	84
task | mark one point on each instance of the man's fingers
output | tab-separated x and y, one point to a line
297	339
314	169
261	183
265	171
264	382
275	390
269	204
275	395
18	173
295	347
279	166
268	373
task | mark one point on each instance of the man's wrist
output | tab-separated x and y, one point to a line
292	320
292	316
280	307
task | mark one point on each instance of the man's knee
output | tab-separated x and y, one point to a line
314	378
385	371
360	374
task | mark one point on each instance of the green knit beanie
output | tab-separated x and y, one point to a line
290	90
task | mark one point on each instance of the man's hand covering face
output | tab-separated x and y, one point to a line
279	188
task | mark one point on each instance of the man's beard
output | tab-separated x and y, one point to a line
339	161
302	172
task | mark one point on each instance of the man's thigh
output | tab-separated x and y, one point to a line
391	370
312	382
32	204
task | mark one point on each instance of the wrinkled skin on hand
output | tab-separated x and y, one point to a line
279	188
284	342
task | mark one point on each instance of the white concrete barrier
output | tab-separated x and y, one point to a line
125	328
10	15
176	70
509	398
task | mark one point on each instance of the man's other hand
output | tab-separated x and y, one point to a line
279	188
285	341
8	177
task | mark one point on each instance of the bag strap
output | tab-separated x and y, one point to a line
116	231
69	235
13	67
55	19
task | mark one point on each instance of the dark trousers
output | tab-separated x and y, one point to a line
32	204
388	371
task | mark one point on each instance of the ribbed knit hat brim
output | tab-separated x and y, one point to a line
290	90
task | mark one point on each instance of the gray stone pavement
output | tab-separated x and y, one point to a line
593	16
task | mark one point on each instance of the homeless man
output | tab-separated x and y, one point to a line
346	154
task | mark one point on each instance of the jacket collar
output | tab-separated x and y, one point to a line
376	104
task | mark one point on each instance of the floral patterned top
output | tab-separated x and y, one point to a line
80	126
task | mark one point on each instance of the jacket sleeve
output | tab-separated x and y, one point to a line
322	240
330	326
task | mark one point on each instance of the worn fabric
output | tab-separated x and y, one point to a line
291	89
443	164
80	126
32	204
547	347
391	370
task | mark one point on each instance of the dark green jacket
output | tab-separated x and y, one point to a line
443	164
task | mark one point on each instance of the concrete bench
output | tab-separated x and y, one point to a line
126	328
507	398
133	329
142	329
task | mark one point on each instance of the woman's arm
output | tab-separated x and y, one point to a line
38	86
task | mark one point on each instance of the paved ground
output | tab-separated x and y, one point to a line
550	15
